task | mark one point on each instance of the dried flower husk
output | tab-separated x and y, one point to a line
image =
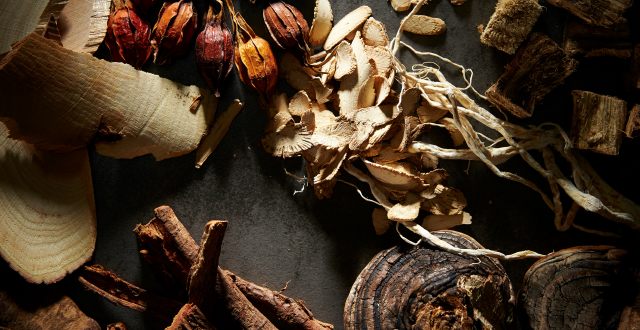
214	49
143	5
287	28
171	36
128	34
254	59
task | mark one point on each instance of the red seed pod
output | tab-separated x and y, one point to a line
214	49
177	22
287	27
128	34
143	5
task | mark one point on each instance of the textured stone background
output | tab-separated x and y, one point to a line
320	246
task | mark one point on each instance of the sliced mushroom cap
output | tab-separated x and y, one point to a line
393	178
48	217
420	287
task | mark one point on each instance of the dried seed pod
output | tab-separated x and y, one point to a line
214	49
287	28
254	59
171	36
421	287
143	5
583	287
128	34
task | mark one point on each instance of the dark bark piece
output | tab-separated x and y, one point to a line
596	12
118	292
539	66
633	123
510	24
421	287
48	310
117	326
202	279
583	287
233	304
633	75
587	40
190	318
169	239
598	122
630	316
164	274
288	310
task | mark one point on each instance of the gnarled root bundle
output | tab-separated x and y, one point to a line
421	287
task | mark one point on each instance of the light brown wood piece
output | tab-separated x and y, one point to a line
633	74
42	311
596	12
598	122
180	235
83	24
202	278
48	224
119	292
190	318
401	5
117	326
587	40
217	132
91	100
510	24
19	18
52	32
633	123
425	25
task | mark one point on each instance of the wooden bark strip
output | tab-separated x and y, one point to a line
510	24
243	314
48	311
83	24
633	123
52	32
202	278
129	113
598	122
19	18
183	241
539	66
190	318
118	292
633	74
587	40
217	132
48	223
596	12
288	310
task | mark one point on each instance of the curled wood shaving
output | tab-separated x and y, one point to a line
322	22
347	25
20	18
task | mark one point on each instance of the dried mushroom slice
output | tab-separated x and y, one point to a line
322	92
375	138
374	33
407	210
423	287
83	24
346	25
409	101
20	18
308	120
439	222
388	155
428	114
333	136
330	171
300	80
435	177
382	60
371	150
376	115
350	85
587	286
299	103
392	178
48	219
322	22
455	133
380	221
425	25
290	141
345	61
288	62
114	105
447	201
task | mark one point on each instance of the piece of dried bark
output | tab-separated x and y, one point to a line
19	18
52	32
243	314
169	240
633	74
539	66
585	286
190	318
346	25
117	326
83	24
587	40
633	123
119	292
598	122
322	23
596	12
425	25
100	94
510	24
457	292
202	278
291	311
43	311
48	224
217	132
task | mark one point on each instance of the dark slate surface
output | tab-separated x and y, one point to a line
320	246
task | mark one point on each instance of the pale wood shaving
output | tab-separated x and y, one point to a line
20	18
83	24
407	210
346	25
322	23
217	132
